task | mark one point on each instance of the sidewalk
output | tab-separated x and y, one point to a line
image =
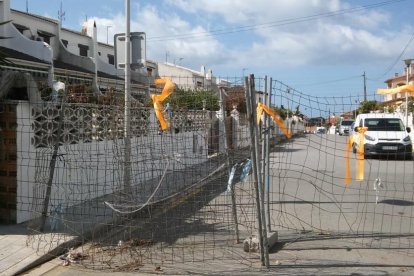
310	256
14	254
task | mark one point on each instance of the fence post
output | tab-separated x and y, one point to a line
267	171
52	164
263	128
251	105
226	152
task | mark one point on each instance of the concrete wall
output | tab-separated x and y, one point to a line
89	170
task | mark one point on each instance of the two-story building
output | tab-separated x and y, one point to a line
38	45
398	87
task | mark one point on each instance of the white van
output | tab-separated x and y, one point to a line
385	135
345	126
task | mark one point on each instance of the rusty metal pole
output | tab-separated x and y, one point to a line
226	152
267	171
263	128
52	164
251	111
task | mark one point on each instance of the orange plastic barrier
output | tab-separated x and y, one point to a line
276	118
157	100
359	172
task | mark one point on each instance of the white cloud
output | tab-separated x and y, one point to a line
350	38
319	39
160	28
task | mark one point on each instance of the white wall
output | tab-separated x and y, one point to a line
74	39
88	170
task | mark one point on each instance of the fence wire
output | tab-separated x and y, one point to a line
191	196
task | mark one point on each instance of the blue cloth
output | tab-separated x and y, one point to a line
247	166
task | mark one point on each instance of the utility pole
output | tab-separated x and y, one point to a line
127	120
407	73
365	87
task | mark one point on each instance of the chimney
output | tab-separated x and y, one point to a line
4	10
209	74
203	70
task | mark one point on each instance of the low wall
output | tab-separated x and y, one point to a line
90	163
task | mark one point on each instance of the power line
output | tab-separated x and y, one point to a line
398	59
272	24
331	81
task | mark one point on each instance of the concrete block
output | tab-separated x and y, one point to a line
251	244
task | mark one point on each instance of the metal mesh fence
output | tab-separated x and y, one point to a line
189	195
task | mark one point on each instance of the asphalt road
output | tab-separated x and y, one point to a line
308	189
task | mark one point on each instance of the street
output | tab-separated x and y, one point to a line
309	190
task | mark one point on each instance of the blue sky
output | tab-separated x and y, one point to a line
319	47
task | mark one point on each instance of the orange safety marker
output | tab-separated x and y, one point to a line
359	165
360	155
276	118
157	100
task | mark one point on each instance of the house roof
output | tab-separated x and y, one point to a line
37	16
73	31
63	65
108	76
10	53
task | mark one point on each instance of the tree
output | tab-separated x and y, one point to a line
194	100
410	104
368	106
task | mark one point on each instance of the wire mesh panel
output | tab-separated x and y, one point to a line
176	189
317	185
175	208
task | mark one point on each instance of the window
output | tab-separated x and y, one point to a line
149	72
45	36
111	59
384	124
65	42
20	28
83	50
99	53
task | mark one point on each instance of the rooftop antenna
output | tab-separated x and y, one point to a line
61	14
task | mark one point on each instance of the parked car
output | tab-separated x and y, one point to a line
386	135
344	127
320	130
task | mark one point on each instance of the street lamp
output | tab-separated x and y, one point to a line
408	64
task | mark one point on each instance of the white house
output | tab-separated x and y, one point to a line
40	46
186	78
